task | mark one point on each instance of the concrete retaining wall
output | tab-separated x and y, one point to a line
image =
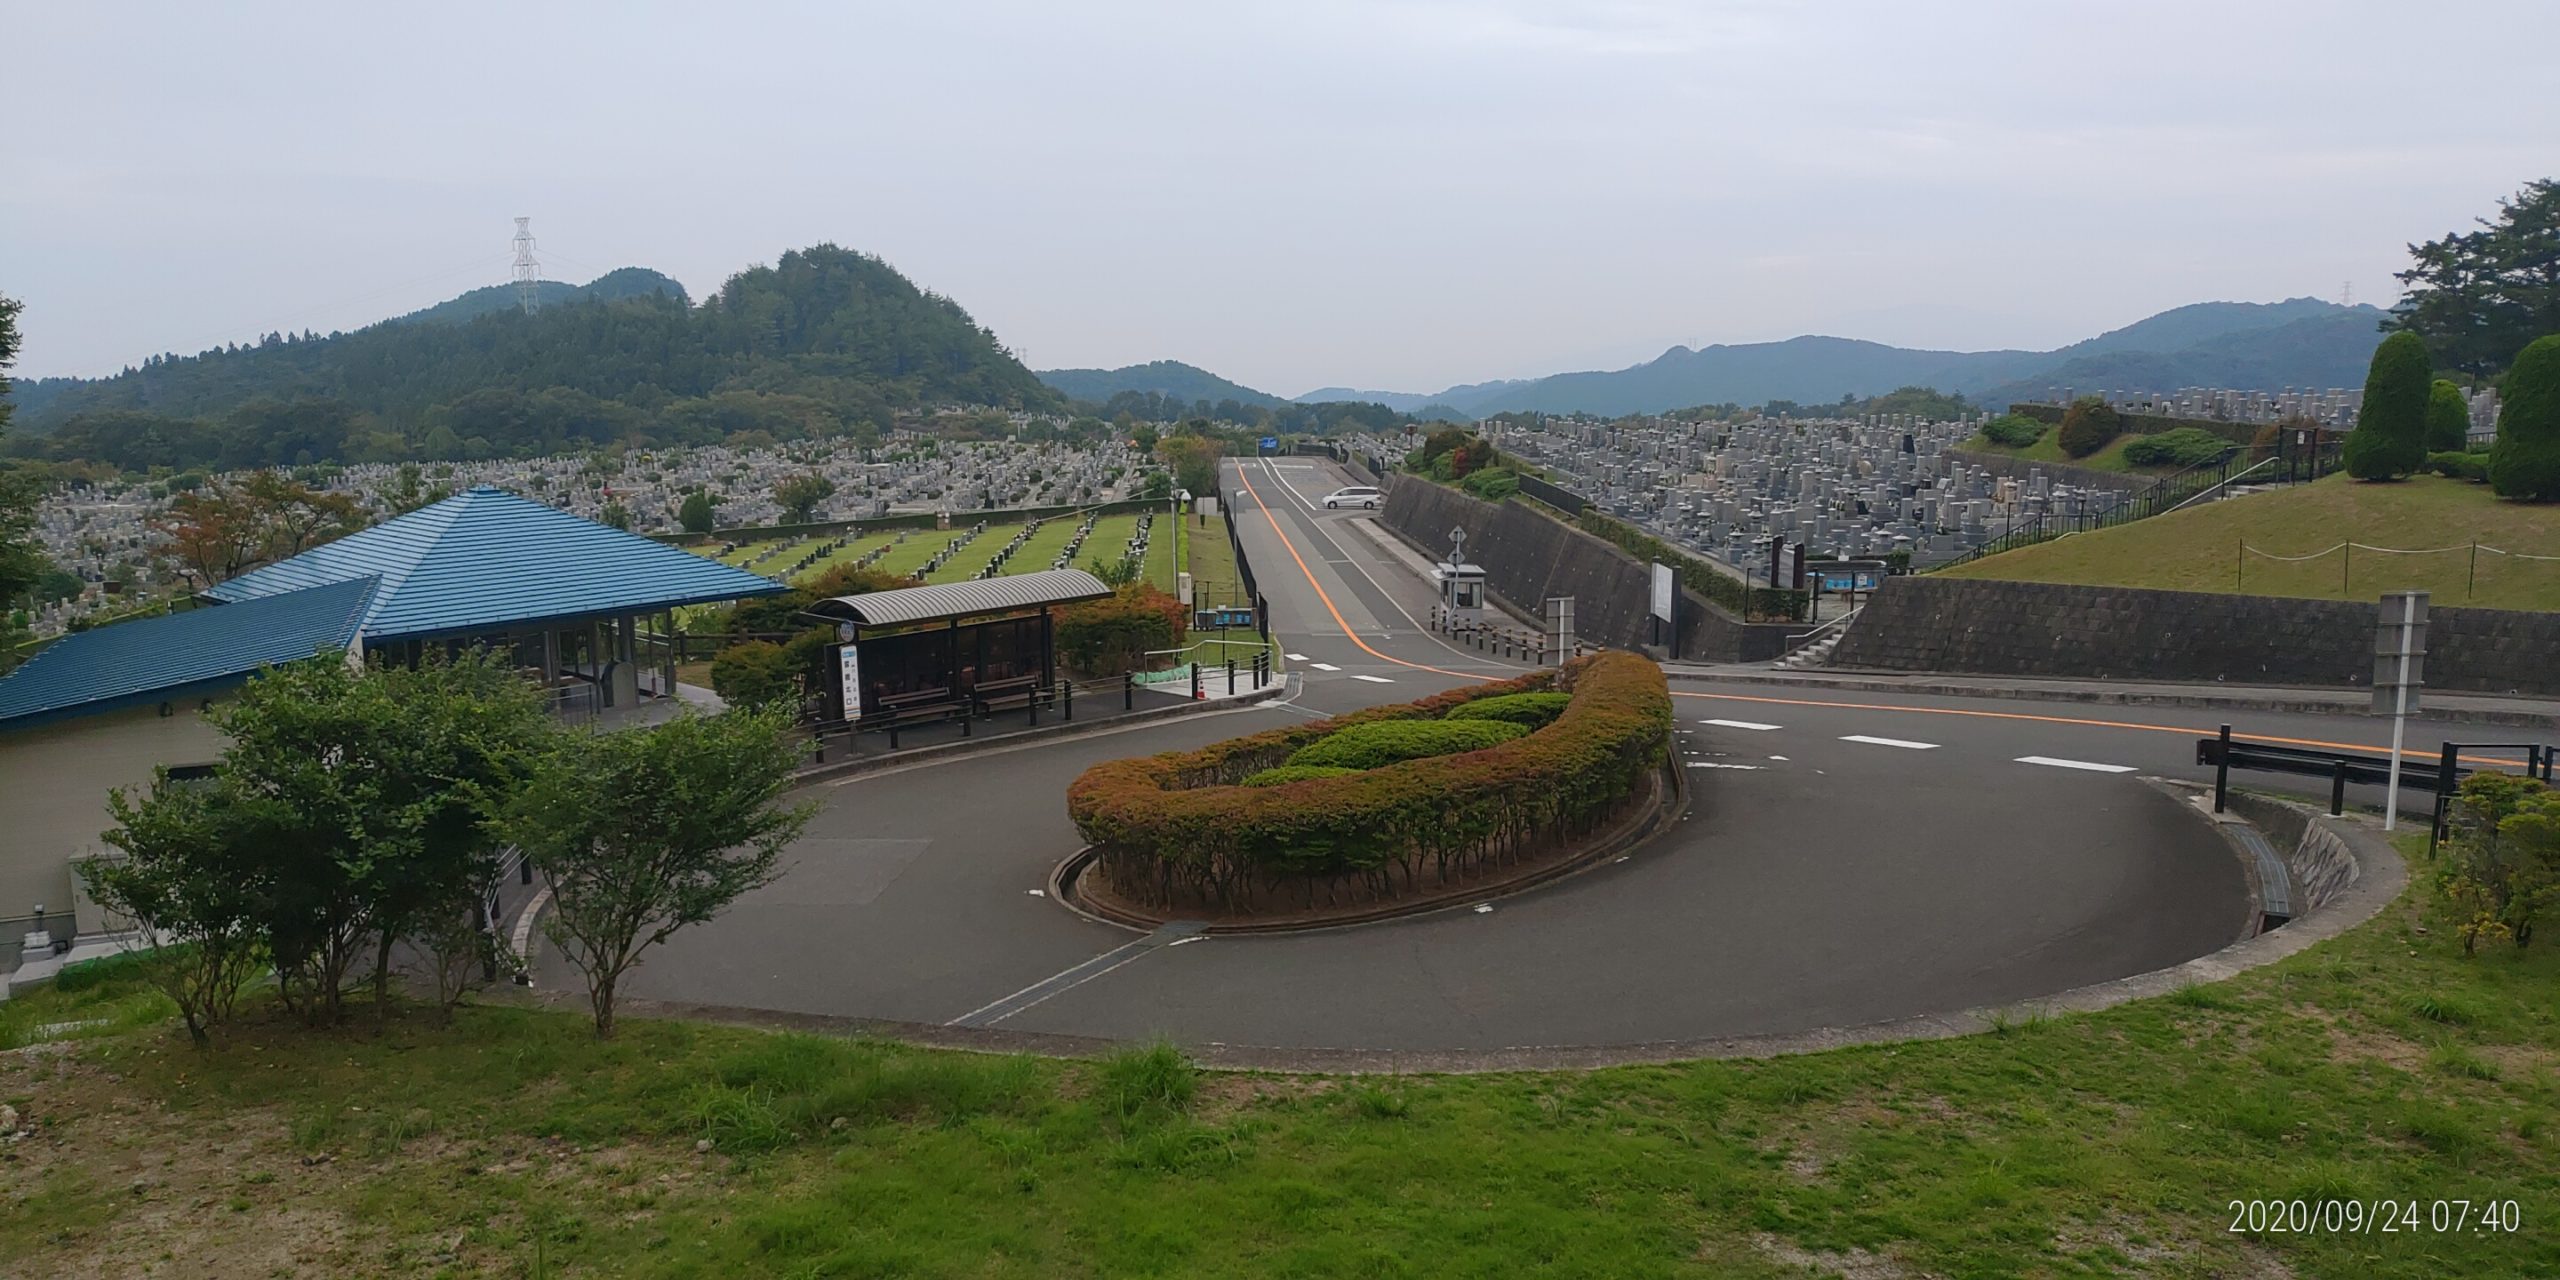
2316	857
2121	633
1529	557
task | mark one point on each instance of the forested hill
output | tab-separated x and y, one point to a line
822	342
628	282
1171	379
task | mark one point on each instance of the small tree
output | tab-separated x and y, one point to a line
2390	438
2087	426
187	883
2502	867
643	832
800	495
2448	418
2525	462
616	515
695	513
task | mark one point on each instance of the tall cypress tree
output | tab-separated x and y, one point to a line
2525	462
2448	418
2390	439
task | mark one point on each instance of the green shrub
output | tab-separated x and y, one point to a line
2013	431
2184	447
1492	484
1529	710
2525	462
2390	439
2088	426
1114	634
2460	465
755	673
2448	418
1278	774
1368	746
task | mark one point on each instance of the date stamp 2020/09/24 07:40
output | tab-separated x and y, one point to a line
2384	1216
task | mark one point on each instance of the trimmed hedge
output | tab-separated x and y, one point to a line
2525	462
1175	829
2013	430
1370	746
1295	773
2459	465
2390	438
2087	426
1528	710
2183	447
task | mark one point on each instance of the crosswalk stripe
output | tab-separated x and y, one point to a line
1374	679
1890	742
1324	666
1295	657
1741	724
2090	765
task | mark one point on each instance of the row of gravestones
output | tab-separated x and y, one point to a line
1075	543
943	556
1138	540
995	563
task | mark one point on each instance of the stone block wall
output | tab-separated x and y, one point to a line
2001	464
2123	633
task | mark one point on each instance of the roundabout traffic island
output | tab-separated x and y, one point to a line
1385	812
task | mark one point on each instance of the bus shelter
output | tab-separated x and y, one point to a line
955	644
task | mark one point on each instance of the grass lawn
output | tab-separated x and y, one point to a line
1214	580
2048	448
851	551
2198	549
2378	1065
909	556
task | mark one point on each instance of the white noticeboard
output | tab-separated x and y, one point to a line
1665	588
849	676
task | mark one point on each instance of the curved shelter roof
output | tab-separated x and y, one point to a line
485	559
963	599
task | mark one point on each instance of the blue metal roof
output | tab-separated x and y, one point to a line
486	558
179	654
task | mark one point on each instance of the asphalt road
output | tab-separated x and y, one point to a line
1847	859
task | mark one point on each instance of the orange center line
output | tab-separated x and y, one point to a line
2097	724
1292	549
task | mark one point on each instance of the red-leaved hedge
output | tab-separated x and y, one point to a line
1176	828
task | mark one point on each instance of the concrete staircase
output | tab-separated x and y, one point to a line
1814	654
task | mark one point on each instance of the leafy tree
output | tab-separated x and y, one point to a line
1143	438
2478	297
188	882
800	495
755	673
22	560
2448	418
1114	634
696	513
218	532
2087	426
643	832
2390	436
2525	461
1193	460
1156	487
616	515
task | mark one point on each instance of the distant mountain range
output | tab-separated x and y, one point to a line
2300	342
1162	377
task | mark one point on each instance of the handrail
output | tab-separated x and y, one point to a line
1798	641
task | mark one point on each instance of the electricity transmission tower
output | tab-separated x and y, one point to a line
528	271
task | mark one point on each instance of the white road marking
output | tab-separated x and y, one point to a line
1324	666
1742	724
1295	657
1890	742
2090	765
1374	679
1714	764
1780	759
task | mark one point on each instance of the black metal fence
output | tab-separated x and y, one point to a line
2282	464
1564	500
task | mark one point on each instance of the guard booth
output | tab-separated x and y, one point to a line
955	646
1461	589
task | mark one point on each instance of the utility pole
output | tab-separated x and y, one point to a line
528	271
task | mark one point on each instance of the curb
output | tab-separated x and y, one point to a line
2129	696
1044	733
1670	806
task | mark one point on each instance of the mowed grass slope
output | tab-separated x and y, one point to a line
2380	1065
2199	549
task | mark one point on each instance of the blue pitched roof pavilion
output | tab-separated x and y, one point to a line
562	593
487	560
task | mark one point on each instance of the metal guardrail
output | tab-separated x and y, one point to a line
2224	754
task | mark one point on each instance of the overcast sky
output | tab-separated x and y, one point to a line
1383	195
